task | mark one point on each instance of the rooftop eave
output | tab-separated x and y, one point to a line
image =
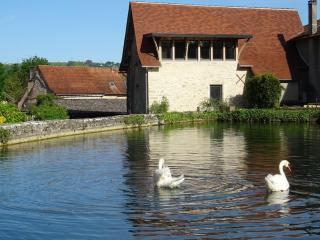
204	36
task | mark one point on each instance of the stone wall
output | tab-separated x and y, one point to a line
187	83
37	130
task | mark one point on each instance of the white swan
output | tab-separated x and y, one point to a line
278	182
163	178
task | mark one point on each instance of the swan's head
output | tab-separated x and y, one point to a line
286	164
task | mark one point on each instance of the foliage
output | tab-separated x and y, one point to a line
46	99
2	119
2	76
47	109
12	89
161	107
269	115
4	135
89	63
135	120
49	112
26	65
11	113
178	117
263	91
210	105
244	115
14	78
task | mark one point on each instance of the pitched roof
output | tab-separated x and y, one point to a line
270	29
83	80
306	33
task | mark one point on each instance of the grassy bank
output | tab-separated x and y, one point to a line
245	115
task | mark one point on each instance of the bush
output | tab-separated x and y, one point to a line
47	109
11	113
4	135
135	120
176	117
263	91
161	107
269	115
49	112
210	105
46	99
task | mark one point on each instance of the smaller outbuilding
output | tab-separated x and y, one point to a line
308	46
84	91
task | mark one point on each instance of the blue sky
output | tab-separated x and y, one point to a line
63	30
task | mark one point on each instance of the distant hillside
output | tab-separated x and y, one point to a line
88	63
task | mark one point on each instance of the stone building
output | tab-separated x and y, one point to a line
189	53
308	46
84	91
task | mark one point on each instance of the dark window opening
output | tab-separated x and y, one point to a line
205	49
166	47
217	50
193	50
180	48
216	92
230	50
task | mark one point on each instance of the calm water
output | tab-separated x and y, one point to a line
100	186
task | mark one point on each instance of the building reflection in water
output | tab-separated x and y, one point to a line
223	177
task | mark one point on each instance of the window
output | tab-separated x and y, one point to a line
230	50
216	92
217	50
166	47
180	48
205	50
193	50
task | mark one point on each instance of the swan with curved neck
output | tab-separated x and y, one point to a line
278	182
163	178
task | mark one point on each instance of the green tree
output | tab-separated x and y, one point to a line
12	89
2	76
263	91
26	65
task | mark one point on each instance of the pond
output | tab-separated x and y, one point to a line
100	186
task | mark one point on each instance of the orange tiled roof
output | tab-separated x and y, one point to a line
83	80
270	29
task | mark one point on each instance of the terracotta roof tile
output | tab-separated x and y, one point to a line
270	29
83	80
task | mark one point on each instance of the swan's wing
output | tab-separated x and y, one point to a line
175	182
166	171
276	182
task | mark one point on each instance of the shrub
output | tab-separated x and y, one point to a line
135	120
11	113
47	109
46	99
4	135
262	91
161	107
269	115
49	112
210	105
176	117
2	119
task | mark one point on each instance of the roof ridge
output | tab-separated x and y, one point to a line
44	65
209	6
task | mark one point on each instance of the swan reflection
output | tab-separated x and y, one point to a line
278	198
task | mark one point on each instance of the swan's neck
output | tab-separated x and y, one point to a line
161	162
281	169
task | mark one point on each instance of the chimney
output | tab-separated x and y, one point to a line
313	21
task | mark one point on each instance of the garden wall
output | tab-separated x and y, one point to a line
36	130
